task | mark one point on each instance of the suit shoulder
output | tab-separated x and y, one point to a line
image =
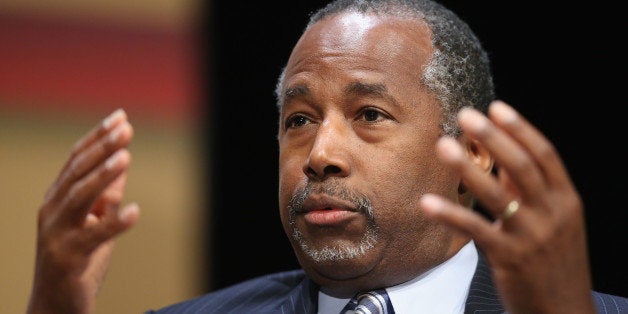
263	292
611	304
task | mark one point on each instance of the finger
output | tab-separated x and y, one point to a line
509	155
91	156
107	124
112	195
84	192
112	224
483	184
528	136
461	218
95	134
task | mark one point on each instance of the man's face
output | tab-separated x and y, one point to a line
357	141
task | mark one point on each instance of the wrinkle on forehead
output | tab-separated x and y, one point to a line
354	41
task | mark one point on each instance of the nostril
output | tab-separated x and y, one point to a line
311	171
328	170
332	169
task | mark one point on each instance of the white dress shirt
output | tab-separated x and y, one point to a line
441	290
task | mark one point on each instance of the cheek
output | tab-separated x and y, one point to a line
407	177
290	177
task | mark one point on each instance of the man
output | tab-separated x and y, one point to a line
384	149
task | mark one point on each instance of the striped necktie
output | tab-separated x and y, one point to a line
372	302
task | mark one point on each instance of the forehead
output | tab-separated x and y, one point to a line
354	45
364	40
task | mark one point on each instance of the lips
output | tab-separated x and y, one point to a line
321	202
323	210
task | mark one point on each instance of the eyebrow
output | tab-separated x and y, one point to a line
364	89
377	90
296	91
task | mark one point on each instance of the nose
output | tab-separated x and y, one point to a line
330	154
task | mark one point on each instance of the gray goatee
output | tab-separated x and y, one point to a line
333	253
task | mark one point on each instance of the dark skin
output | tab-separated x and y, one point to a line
365	114
356	118
79	219
389	156
539	255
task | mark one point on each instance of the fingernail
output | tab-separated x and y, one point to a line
113	117
472	119
128	211
115	134
450	148
113	161
431	200
503	112
431	203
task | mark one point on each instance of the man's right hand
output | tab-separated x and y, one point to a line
79	219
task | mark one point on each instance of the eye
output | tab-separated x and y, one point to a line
373	115
296	121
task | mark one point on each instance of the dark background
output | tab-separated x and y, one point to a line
562	67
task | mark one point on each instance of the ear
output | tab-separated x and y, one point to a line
479	155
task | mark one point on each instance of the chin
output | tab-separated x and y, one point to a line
343	261
348	272
334	249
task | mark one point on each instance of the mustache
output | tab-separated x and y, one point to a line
333	189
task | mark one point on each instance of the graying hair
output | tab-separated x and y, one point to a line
459	71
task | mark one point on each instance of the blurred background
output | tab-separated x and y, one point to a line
197	80
65	65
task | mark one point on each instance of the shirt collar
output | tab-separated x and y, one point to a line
443	289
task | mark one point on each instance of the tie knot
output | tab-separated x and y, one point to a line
371	302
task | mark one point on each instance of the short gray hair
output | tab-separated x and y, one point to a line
459	71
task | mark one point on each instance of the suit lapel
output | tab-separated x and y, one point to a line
483	296
302	299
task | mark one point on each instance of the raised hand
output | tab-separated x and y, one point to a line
536	243
79	219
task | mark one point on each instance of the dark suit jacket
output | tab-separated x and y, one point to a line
292	292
